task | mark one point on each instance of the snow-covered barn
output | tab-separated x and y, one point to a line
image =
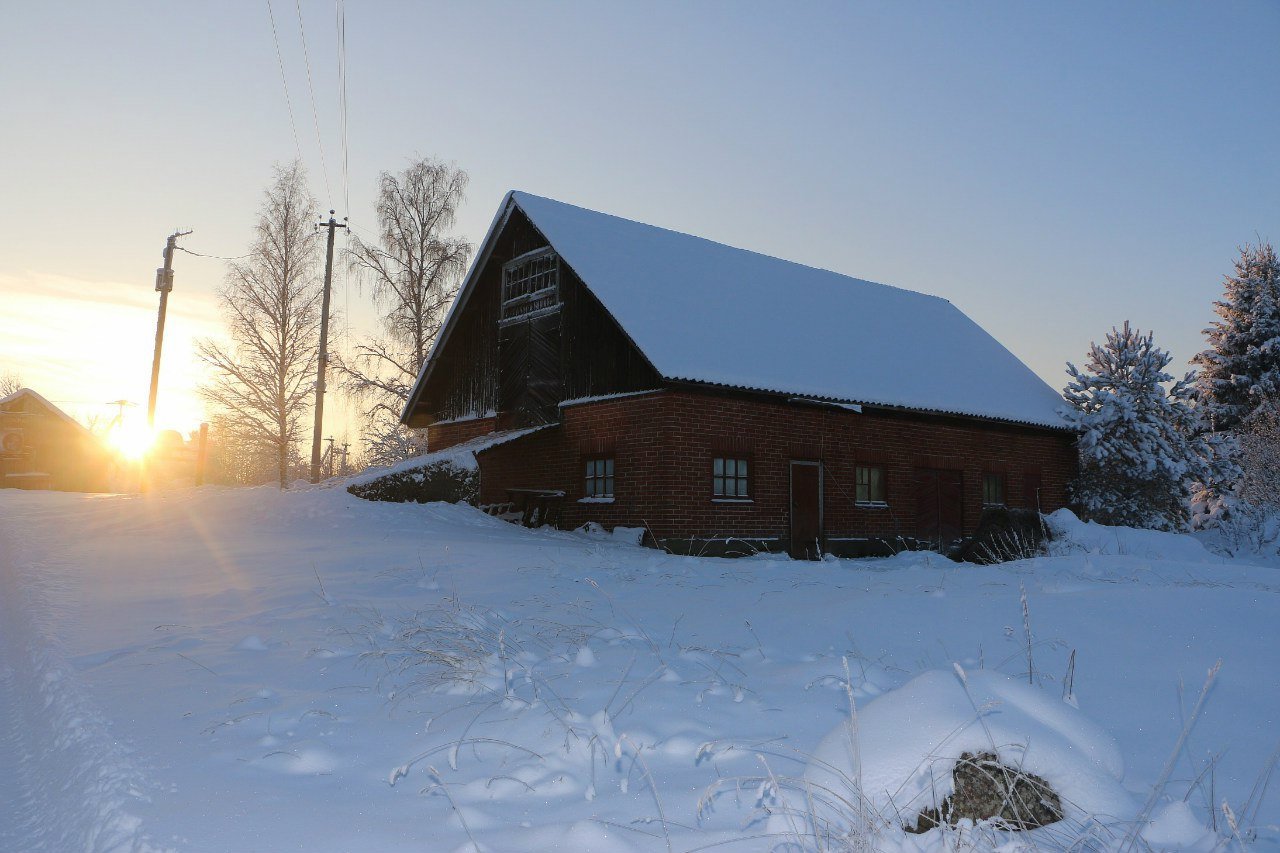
708	393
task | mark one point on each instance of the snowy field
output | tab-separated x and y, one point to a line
222	670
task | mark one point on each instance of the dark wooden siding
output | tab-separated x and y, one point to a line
526	369
464	381
597	356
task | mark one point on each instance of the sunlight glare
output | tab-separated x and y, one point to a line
132	440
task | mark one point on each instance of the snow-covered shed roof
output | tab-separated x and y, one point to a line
54	410
461	455
706	312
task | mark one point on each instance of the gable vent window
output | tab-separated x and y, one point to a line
530	286
869	485
599	478
729	478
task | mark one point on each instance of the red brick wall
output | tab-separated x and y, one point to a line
440	436
663	445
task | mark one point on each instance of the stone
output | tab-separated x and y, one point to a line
987	790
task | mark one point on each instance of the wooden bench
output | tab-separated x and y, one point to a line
536	506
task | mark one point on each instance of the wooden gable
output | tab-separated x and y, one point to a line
526	335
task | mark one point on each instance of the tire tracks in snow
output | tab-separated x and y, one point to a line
65	784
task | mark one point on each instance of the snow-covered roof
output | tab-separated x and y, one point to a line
706	312
27	392
461	455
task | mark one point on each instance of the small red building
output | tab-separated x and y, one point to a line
718	397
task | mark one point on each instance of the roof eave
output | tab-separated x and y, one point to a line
866	403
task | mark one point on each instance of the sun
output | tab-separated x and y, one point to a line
133	441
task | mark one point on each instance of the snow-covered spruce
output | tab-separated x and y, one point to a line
1238	391
1240	372
1138	443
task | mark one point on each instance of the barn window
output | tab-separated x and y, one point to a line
599	478
993	490
869	484
530	285
729	478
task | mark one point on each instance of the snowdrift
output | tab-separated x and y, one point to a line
1073	536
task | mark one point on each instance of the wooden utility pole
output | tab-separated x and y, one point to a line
202	454
324	349
164	284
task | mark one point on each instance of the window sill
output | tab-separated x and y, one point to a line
607	500
871	504
733	500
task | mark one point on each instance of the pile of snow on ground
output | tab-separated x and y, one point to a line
882	767
1073	536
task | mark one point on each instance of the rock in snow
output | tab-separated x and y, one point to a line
895	757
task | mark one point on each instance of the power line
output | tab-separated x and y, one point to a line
287	100
215	257
341	11
315	114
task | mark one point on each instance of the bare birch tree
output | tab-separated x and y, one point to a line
10	383
413	270
264	380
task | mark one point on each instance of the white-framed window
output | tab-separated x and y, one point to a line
730	478
599	478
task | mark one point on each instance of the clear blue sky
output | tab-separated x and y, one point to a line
1053	169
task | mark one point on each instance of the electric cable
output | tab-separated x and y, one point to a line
215	257
315	114
342	98
284	81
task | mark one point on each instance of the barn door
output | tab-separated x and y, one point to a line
939	503
529	369
806	510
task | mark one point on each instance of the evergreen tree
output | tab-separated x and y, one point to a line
1138	445
1240	372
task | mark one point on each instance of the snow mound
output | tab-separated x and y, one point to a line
908	740
1175	827
1073	536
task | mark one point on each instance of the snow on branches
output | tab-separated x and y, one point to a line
1240	372
1139	447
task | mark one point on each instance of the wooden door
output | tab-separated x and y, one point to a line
1031	490
939	506
806	510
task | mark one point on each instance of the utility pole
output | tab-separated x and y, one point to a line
164	284
324	350
119	418
202	454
